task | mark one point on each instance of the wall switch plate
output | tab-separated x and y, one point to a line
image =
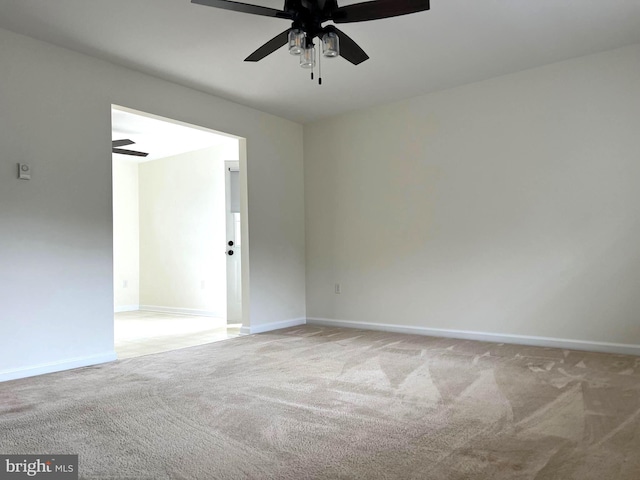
24	171
338	289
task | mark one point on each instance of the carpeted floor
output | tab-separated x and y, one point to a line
329	403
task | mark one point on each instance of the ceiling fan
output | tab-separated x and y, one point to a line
307	17
123	143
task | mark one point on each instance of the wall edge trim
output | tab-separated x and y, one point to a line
567	344
126	308
69	364
180	311
268	327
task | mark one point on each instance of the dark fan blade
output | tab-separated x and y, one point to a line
361	12
122	151
122	143
350	50
268	48
328	5
244	8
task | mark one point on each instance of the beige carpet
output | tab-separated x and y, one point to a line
328	403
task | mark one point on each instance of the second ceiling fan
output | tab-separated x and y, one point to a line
116	144
307	17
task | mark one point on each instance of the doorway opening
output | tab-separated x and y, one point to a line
177	234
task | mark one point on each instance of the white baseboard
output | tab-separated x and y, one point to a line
56	366
181	311
126	308
567	344
268	327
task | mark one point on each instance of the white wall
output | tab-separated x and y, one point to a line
183	232
508	206
56	244
126	235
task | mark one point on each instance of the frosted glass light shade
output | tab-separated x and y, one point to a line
330	45
308	58
296	41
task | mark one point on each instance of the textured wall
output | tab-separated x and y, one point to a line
56	265
508	206
126	234
183	232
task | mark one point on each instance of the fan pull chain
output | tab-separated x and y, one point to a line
313	64
319	68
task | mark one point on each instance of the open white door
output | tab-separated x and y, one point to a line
234	242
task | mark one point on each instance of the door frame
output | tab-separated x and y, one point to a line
234	311
244	202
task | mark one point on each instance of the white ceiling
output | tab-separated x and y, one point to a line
457	42
161	138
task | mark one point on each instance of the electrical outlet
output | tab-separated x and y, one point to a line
125	283
338	289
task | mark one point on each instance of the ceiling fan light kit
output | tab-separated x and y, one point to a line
296	41
308	58
307	17
330	45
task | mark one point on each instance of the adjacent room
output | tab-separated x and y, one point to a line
320	239
170	212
